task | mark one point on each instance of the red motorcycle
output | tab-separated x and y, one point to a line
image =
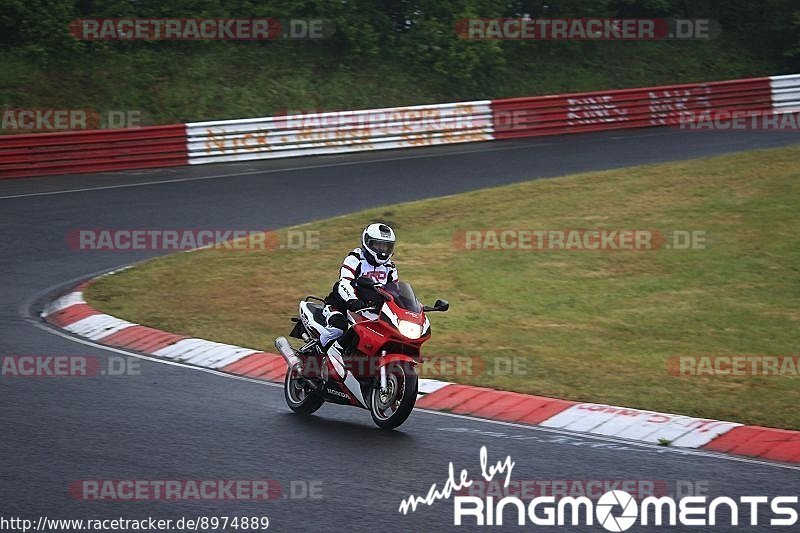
377	370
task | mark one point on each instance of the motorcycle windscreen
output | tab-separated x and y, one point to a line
404	296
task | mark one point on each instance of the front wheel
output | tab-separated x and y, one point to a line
299	396
389	409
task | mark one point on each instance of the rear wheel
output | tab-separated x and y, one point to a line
299	396
390	408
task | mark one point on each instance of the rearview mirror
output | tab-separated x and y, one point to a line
438	305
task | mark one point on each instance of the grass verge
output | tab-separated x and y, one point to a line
595	326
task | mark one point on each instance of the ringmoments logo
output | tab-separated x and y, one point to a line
605	508
615	510
618	510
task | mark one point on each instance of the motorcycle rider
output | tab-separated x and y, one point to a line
373	260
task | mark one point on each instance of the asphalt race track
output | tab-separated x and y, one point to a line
172	422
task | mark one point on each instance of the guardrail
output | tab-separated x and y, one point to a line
39	154
379	129
335	132
627	108
785	93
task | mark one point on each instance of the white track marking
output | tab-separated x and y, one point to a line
96	327
202	352
179	349
68	300
427	386
50	329
637	424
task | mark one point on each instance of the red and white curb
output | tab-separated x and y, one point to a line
71	313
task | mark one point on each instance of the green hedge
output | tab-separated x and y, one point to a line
384	52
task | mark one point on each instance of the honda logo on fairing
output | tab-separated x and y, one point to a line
337	393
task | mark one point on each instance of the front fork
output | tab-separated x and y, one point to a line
383	374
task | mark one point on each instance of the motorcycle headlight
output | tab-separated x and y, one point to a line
409	329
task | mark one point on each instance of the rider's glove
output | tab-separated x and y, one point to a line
356	304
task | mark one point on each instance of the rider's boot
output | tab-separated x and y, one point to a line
312	365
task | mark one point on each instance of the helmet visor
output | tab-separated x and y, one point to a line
382	249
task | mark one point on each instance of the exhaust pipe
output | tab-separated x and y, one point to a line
286	351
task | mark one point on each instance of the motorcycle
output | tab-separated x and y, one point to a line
377	369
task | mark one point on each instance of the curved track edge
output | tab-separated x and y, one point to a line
71	313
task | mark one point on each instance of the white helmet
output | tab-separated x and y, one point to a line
378	243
